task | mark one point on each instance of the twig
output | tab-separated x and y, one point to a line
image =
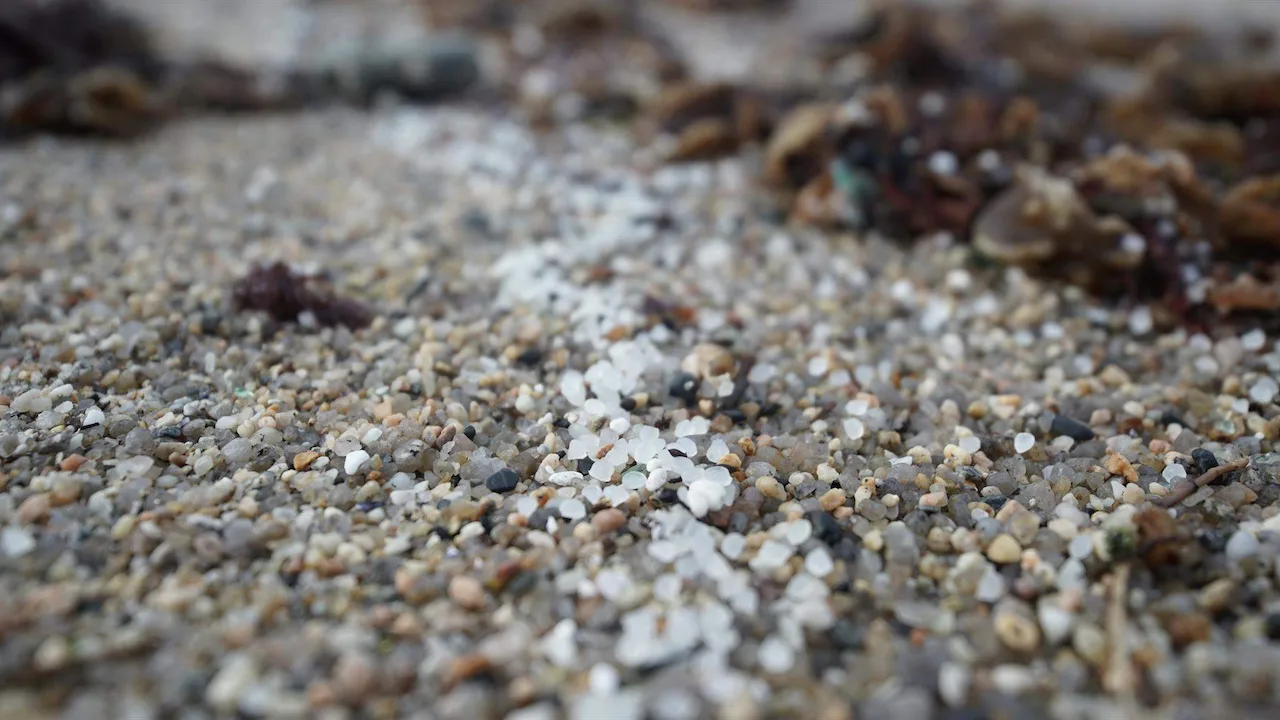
1184	489
1119	677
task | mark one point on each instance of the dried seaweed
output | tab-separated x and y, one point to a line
288	296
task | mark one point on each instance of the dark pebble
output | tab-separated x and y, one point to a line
1168	418
530	357
1205	460
503	481
847	635
1273	626
825	527
684	386
1074	429
628	404
1213	541
584	465
168	432
996	501
538	520
470	432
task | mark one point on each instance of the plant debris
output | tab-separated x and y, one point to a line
291	297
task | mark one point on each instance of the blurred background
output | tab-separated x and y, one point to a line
281	31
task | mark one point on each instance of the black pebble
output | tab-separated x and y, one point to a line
995	501
736	415
1213	541
1204	459
1273	626
684	387
530	357
1074	429
1168	418
503	481
847	636
168	432
628	404
538	520
470	432
770	408
561	422
584	465
825	526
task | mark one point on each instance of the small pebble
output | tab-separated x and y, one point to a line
1023	442
502	481
1004	550
467	592
354	460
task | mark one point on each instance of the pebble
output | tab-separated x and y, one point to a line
303	460
954	680
933	500
224	691
854	428
1242	545
1017	632
771	488
1070	427
467	592
1023	442
1004	550
502	481
16	542
1054	622
354	460
832	499
35	508
608	520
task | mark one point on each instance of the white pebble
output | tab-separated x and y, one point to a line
526	505
1254	340
799	531
1174	471
372	436
354	460
1264	390
572	509
732	545
93	416
857	407
603	679
16	542
818	563
717	451
565	477
1023	441
776	656
953	683
573	388
771	556
854	428
1081	547
1242	545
